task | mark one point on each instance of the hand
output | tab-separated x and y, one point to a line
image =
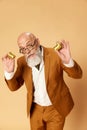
8	63
65	53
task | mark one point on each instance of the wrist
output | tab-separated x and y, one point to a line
8	75
70	63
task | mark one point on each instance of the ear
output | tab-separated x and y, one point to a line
38	41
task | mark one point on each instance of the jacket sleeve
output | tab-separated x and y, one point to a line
74	72
17	81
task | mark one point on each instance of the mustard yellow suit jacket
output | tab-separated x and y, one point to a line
57	89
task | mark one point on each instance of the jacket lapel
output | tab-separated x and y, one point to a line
28	78
46	64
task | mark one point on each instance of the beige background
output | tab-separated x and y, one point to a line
50	20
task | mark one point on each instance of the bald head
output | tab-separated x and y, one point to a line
24	37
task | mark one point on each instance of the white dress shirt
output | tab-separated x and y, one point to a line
40	94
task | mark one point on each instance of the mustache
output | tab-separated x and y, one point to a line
35	60
33	52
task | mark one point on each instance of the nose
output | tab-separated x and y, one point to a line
28	51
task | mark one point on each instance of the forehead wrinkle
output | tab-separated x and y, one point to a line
24	38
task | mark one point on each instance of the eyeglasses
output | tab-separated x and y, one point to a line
28	48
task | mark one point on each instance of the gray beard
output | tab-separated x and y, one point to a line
33	61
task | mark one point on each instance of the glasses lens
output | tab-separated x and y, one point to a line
21	50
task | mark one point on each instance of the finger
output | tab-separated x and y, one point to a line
5	56
65	43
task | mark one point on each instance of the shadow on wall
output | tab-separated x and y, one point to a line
80	103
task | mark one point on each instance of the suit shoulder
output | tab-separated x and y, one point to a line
51	51
21	60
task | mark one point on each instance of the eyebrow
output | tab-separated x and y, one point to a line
27	44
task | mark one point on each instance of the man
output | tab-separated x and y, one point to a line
41	69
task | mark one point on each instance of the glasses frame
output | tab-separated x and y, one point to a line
29	47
